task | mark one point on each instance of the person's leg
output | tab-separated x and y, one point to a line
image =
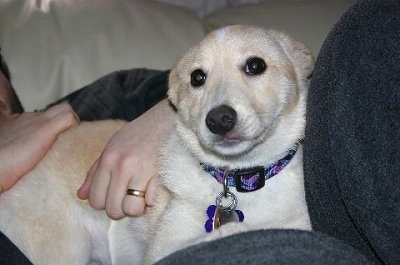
269	247
352	146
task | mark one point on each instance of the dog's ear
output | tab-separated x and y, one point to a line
173	82
300	55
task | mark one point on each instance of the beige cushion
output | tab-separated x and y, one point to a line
309	20
56	48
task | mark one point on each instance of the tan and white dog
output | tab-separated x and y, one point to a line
240	96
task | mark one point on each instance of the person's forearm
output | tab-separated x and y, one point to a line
165	116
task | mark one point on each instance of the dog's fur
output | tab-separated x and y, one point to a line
42	215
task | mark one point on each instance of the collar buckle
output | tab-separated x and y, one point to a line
249	179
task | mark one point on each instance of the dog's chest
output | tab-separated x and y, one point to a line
276	204
183	217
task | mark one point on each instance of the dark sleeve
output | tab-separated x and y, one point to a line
122	95
10	254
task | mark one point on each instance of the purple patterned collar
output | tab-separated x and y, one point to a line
250	179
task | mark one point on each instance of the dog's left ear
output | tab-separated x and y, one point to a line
300	56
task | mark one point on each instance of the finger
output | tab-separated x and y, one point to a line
61	108
121	180
62	116
135	205
116	192
99	186
83	191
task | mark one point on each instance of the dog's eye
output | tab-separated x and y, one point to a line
198	78
255	66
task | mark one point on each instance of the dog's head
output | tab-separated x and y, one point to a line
239	88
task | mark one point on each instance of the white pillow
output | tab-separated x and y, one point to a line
54	47
308	20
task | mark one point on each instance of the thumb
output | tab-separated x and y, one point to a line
83	191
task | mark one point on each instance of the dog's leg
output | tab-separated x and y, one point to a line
177	227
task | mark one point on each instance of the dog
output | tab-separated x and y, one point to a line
233	162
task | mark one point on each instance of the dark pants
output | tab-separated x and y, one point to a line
352	150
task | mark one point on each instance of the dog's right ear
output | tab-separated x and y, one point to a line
173	82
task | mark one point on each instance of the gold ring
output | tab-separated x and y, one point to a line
137	193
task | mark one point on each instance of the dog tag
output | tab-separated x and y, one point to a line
219	215
226	216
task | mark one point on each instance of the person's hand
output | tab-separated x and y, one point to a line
25	139
127	162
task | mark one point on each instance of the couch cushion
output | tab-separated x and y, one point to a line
55	47
308	20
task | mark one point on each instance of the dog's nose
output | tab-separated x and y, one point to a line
221	119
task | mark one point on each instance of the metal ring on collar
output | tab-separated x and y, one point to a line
232	204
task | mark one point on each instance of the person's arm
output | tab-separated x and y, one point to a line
128	162
25	139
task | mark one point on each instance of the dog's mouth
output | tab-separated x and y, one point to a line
228	132
230	144
232	137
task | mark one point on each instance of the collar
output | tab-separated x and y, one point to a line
250	179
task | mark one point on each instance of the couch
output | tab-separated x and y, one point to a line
54	47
